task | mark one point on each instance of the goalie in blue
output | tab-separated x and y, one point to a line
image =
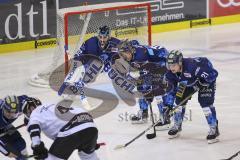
97	49
188	76
150	61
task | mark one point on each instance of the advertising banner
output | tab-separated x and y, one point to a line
163	11
23	20
224	7
27	20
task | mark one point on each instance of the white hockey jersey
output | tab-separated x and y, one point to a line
57	121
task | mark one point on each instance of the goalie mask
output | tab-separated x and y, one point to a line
29	105
126	50
104	34
11	107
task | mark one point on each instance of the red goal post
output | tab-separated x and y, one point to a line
127	20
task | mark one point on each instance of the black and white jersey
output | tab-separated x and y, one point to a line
57	121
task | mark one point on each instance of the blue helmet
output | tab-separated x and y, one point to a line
175	57
126	48
104	31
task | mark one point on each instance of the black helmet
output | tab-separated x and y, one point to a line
104	31
174	57
29	104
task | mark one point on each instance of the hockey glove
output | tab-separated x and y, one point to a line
39	151
9	130
198	85
181	88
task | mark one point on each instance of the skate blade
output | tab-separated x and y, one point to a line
174	136
213	141
139	122
162	128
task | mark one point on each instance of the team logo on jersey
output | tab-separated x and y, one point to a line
188	75
228	4
113	49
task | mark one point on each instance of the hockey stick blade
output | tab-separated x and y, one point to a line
151	136
233	156
99	145
147	129
29	156
119	147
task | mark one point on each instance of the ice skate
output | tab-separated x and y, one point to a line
174	132
140	118
213	134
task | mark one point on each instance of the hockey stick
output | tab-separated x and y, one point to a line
98	145
233	156
153	125
152	135
20	126
29	156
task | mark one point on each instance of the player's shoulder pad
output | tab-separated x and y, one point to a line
90	41
115	40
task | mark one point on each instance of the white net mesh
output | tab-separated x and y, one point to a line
128	20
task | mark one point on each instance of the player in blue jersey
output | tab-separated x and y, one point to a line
102	46
150	61
11	142
189	75
97	49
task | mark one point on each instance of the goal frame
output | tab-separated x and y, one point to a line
70	13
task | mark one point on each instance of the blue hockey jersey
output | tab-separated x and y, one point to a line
92	46
194	69
147	54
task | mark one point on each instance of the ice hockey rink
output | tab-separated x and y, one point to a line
221	44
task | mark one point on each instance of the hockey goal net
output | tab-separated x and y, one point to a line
127	20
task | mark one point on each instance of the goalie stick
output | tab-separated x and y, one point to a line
153	135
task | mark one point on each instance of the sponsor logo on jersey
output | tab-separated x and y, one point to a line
188	75
114	49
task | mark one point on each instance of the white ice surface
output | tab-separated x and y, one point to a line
221	44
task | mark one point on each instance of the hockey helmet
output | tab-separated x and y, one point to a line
104	31
29	105
11	106
174	57
126	48
104	34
